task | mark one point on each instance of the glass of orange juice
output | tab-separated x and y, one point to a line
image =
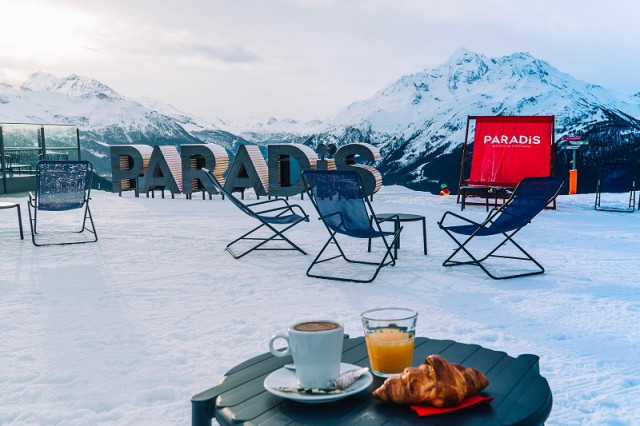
389	334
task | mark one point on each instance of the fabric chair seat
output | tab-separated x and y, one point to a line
61	206
480	230
364	233
470	229
284	219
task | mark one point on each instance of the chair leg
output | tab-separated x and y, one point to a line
379	265
276	236
424	235
396	246
20	222
87	214
369	243
317	260
32	224
629	209
461	246
240	238
462	203
479	262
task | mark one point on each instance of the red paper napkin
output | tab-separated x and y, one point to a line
428	410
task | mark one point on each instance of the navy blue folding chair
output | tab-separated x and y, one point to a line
339	198
61	186
285	216
529	198
616	178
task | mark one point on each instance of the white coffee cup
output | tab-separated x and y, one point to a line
316	347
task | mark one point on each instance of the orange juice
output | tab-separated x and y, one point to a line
390	350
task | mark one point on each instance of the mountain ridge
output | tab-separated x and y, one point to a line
103	116
418	122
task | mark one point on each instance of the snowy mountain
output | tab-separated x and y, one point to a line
279	130
419	121
103	116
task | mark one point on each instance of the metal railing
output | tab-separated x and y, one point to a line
22	145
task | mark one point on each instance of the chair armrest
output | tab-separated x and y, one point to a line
275	209
332	214
304	214
267	202
287	208
375	220
450	213
392	217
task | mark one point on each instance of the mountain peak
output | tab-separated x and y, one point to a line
72	86
461	53
521	55
465	67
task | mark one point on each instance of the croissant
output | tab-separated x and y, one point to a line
437	382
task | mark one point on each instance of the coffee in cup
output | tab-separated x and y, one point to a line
316	347
316	326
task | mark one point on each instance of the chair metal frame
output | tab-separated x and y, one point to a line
608	182
10	205
501	216
376	232
281	215
36	203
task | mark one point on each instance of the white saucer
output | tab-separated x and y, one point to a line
285	377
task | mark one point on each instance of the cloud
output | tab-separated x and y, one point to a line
227	54
303	58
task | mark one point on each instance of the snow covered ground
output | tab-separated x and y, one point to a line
126	330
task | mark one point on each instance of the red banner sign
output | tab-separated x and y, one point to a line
506	149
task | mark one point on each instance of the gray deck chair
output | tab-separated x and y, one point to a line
338	196
62	186
285	216
531	196
616	178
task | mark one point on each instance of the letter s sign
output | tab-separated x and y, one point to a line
345	159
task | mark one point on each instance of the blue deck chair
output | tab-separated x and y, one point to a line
61	186
287	215
529	198
339	198
616	178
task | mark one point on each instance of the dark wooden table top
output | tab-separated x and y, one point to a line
402	217
521	395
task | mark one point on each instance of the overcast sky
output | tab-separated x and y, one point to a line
303	58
